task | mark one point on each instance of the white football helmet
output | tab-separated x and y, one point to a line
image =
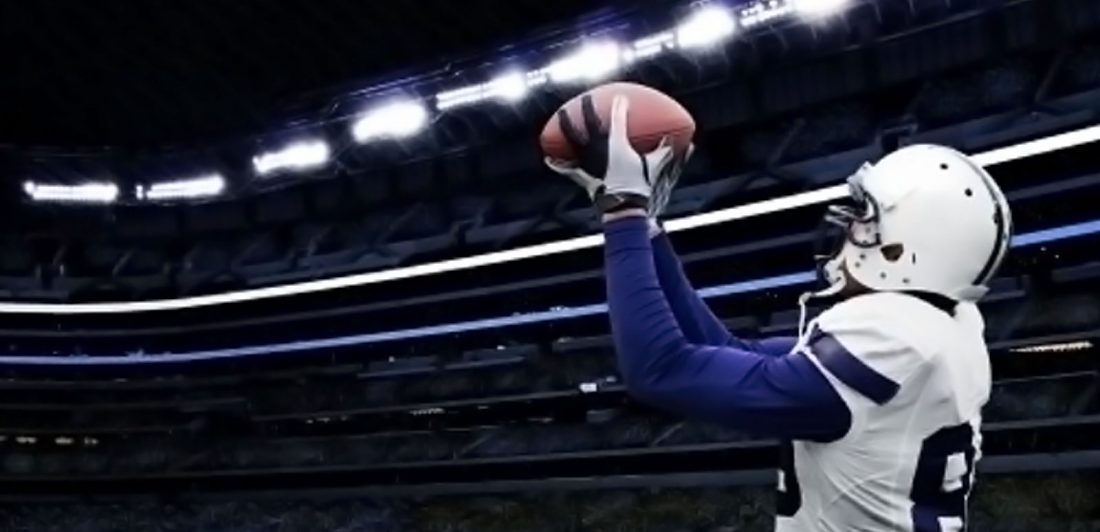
926	219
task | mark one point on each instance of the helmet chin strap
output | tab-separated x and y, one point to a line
832	291
831	268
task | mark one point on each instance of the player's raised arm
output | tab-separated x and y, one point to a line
695	318
785	396
776	396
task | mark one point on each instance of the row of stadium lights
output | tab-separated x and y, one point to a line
709	25
63	441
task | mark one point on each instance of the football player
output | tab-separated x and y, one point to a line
879	399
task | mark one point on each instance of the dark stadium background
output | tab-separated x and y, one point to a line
103	426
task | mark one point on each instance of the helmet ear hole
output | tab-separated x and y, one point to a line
893	252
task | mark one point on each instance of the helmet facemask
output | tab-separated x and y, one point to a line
854	223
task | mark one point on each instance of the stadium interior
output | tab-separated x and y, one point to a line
299	266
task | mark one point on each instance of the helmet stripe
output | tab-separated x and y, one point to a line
1001	218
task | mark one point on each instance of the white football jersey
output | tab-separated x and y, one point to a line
915	379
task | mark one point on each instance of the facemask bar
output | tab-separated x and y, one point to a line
856	222
839	227
864	212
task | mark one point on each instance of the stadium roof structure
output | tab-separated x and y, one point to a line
150	75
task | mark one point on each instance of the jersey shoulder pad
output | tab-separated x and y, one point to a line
871	343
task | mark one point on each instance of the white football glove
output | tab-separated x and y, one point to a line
615	176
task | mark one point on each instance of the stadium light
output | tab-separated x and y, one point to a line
649	46
460	97
199	187
816	9
509	87
297	156
395	120
594	61
706	27
766	11
1057	347
537	78
96	192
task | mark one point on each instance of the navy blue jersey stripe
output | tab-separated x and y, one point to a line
850	370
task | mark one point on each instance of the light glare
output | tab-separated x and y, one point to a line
200	187
509	87
819	8
297	156
96	192
650	46
459	97
765	11
537	78
592	62
396	120
1058	347
706	27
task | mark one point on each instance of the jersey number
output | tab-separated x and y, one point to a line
941	484
790	494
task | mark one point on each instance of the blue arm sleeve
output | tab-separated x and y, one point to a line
774	346
695	318
782	396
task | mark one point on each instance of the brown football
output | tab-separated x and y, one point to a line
653	115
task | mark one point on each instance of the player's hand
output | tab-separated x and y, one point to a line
614	175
